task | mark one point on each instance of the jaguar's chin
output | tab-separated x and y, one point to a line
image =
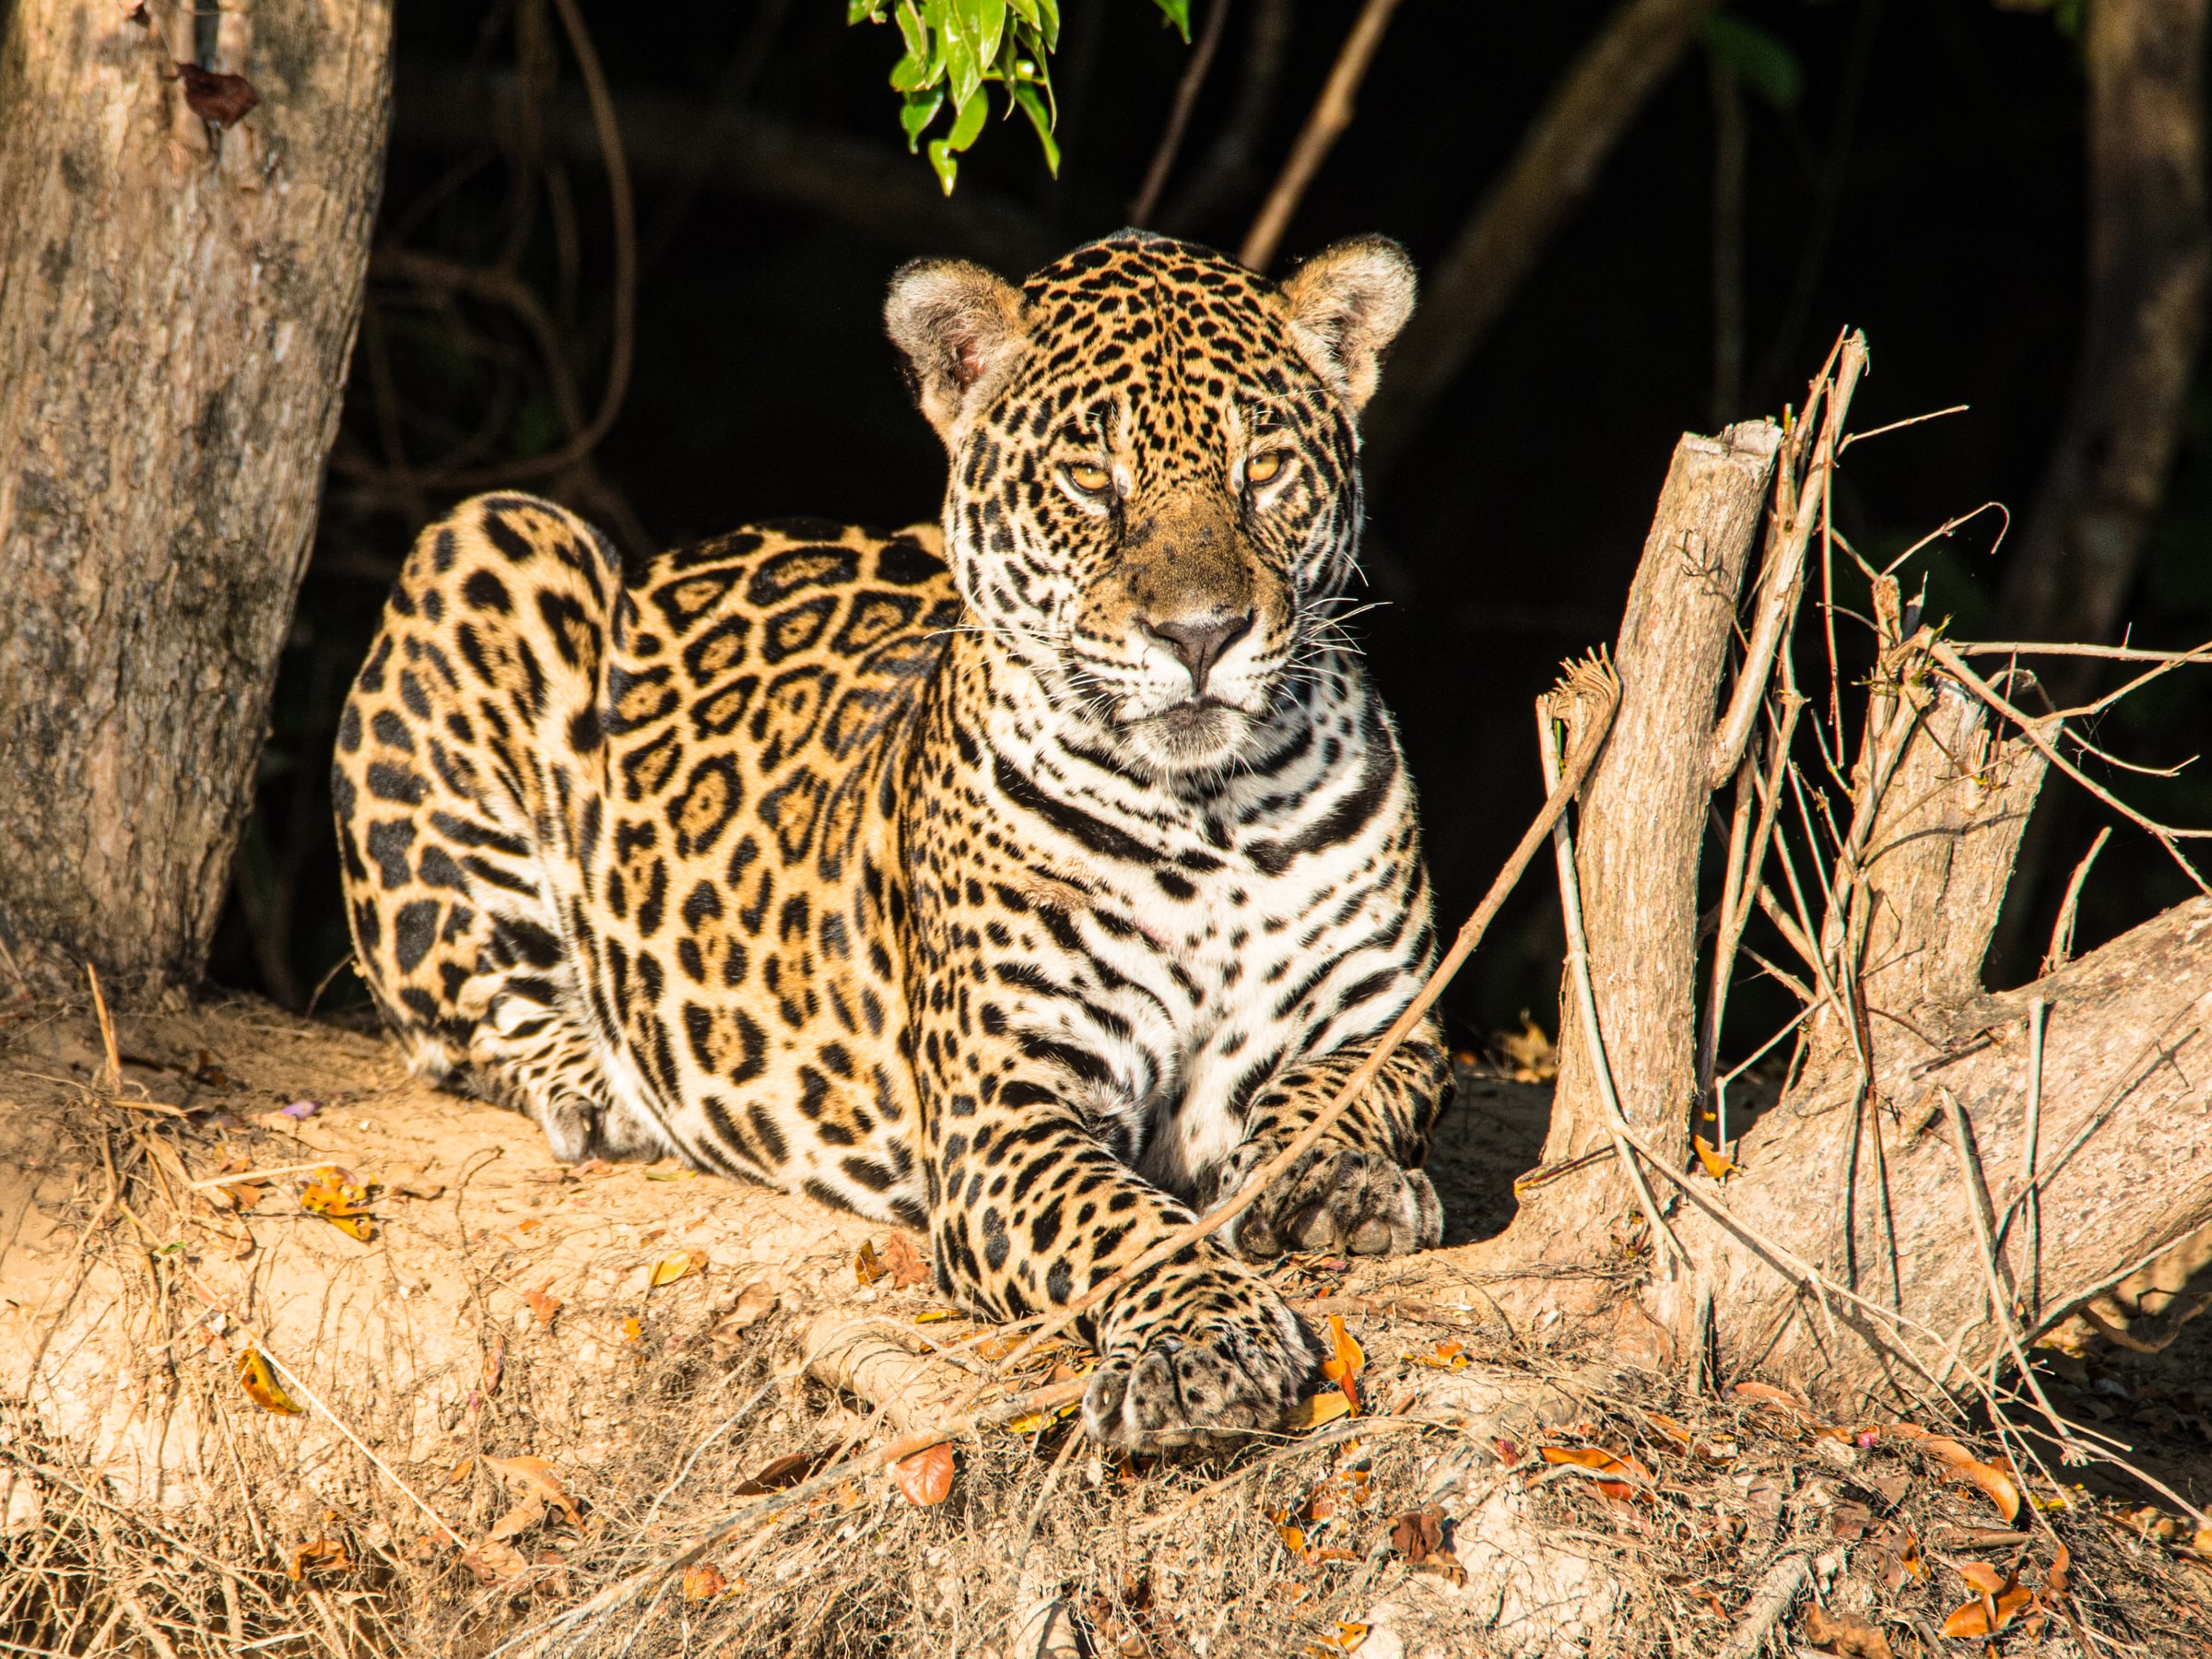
1201	735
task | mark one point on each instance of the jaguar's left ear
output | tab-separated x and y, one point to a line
1346	305
960	329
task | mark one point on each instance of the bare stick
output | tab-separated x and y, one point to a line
1771	1604
1782	580
2032	1237
1585	997
111	1079
1330	114
1977	1203
2123	653
2166	837
2062	931
1601	687
1179	118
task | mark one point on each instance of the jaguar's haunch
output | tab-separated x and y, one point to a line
1026	882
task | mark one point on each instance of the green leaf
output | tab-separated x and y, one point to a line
915	115
956	42
989	19
1178	12
909	74
864	11
968	122
1756	58
914	33
1049	12
940	158
1033	107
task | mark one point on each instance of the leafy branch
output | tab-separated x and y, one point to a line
954	48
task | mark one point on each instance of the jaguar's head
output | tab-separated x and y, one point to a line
1154	485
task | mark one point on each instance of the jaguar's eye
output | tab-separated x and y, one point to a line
1265	467
1089	477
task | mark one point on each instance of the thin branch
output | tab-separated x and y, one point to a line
1331	112
1898	426
2032	731
1179	118
1950	524
2062	931
1782	580
2125	653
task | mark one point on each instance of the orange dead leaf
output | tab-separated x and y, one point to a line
682	1265
2062	1564
543	1305
535	1475
632	1332
1766	1394
258	1378
1347	1359
495	1365
755	1304
703	1581
1449	1356
324	1555
906	1263
926	1477
1323	1407
1999	1605
1717	1163
785	1471
867	1266
459	1470
1962	1465
1604	1463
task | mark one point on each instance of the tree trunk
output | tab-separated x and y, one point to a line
1640	881
1904	1143
177	308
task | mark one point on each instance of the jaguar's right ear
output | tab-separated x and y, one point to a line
960	329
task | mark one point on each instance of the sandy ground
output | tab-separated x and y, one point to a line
504	1305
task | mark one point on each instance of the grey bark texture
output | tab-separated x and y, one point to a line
1640	826
177	310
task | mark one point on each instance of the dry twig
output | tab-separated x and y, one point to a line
1330	114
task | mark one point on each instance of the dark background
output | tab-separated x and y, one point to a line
1951	233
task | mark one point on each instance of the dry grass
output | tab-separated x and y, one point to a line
655	1437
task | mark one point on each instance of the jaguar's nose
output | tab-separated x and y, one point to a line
1198	641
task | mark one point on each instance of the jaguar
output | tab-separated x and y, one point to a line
1028	879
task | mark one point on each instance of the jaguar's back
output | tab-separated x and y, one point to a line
617	844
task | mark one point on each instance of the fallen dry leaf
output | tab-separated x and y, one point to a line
520	1519
2002	1599
1527	1054
1602	1462
682	1265
544	1306
324	1555
785	1471
1323	1407
926	1477
213	96
1347	1359
867	1266
908	1267
341	1198
1416	1534
494	1562
703	1581
1766	1394
535	1475
1715	1162
258	1378
1449	1356
495	1365
632	1332
1962	1465
1843	1634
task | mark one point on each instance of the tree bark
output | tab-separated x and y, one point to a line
177	309
1640	828
1905	1141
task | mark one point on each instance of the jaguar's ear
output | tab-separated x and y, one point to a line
960	329
1346	305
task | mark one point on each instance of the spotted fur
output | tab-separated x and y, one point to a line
1030	895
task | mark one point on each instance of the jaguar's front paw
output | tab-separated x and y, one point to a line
1333	1198
1203	1356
